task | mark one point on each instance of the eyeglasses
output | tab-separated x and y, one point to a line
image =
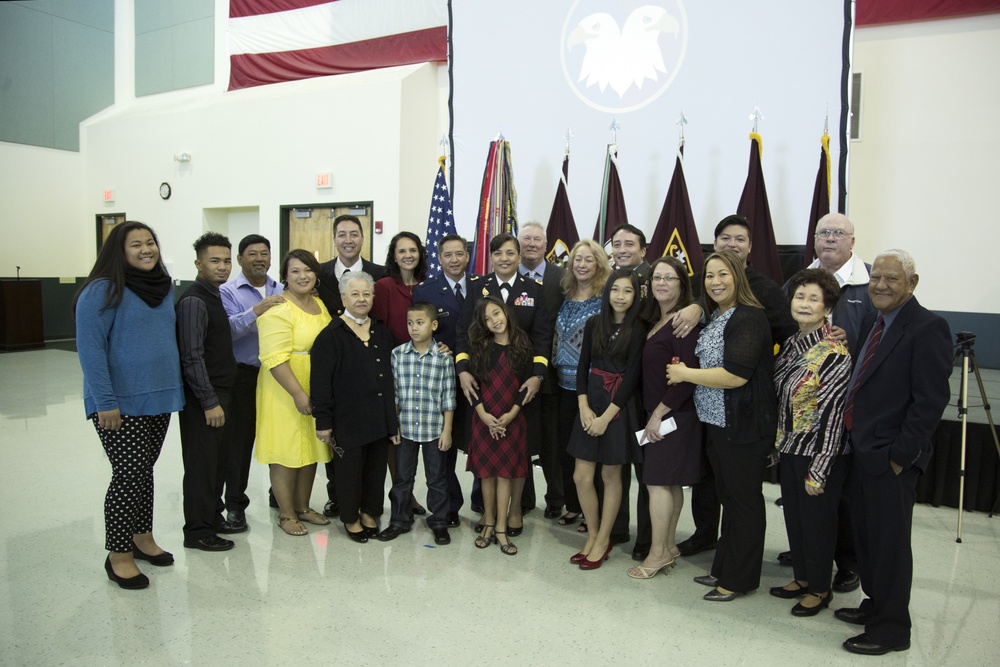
664	279
835	233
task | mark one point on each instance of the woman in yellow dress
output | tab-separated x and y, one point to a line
286	432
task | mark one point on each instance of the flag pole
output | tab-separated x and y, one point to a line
682	121
756	116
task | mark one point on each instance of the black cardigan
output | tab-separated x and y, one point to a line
751	410
351	385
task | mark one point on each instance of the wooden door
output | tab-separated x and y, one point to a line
105	223
311	227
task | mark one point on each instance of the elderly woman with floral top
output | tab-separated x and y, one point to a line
811	375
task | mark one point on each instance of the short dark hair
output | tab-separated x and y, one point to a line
253	239
303	256
497	242
347	217
733	220
424	307
631	229
448	238
209	239
827	284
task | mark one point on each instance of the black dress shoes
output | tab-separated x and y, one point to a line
331	508
210	543
801	610
228	527
453	520
689	548
715	595
788	593
441	536
371	531
236	517
707	580
161	560
361	537
390	533
864	645
128	583
852	615
846	581
553	512
785	558
640	551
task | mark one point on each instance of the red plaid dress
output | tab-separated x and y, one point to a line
508	456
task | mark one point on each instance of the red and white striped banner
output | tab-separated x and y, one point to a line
283	40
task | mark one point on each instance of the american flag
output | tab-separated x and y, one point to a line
440	221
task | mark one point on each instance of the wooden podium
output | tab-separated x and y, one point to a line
21	314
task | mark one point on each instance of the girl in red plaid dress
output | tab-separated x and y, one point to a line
500	357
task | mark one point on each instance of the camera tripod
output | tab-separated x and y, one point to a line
965	341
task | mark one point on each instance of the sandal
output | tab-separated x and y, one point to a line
289	524
508	549
482	541
569	518
643	572
312	516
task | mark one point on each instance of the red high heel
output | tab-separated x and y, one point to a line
594	564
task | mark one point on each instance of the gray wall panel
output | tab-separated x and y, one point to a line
194	50
153	55
100	15
174	45
26	80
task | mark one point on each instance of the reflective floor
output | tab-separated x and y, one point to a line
279	600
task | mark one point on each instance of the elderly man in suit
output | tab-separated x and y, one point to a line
898	391
348	237
535	267
447	292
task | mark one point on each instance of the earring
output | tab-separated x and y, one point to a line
317	283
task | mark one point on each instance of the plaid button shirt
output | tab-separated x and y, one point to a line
425	389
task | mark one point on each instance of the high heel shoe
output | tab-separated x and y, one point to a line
129	583
643	572
586	564
161	559
482	541
577	558
801	611
508	549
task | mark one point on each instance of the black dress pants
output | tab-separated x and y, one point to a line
552	448
241	427
883	517
739	475
205	453
361	480
569	412
705	508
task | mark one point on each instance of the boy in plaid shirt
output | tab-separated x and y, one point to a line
425	396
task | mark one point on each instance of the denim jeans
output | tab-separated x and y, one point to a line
437	483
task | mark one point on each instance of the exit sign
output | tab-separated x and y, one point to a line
323	180
109	195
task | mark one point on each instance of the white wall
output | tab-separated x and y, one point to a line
925	174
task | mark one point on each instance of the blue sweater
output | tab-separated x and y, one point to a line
128	354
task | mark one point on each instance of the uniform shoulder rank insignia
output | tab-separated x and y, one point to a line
477	277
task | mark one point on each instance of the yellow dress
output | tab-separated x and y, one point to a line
284	436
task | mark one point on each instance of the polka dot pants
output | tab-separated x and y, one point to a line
132	450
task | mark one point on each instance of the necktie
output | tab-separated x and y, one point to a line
458	294
873	342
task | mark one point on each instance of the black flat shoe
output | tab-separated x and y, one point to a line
707	580
371	531
788	593
390	533
785	558
852	615
846	581
864	645
454	521
331	508
514	532
129	583
640	552
160	560
715	595
361	537
441	536
210	543
801	611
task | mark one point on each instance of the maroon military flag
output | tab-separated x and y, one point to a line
754	207
821	199
561	234
675	233
612	214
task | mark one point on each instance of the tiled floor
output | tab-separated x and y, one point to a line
277	600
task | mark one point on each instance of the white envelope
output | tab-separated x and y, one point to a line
666	426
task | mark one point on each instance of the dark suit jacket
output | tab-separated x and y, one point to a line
438	292
328	289
905	390
527	300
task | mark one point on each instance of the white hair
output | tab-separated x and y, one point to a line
530	223
903	257
349	278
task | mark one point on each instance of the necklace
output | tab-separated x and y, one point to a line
358	320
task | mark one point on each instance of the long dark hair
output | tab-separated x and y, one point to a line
519	349
392	267
651	309
606	342
110	264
